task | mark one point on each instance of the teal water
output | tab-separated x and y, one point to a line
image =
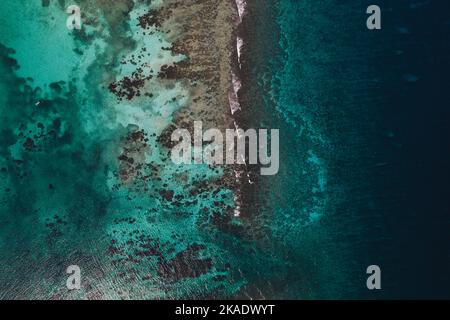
316	88
296	202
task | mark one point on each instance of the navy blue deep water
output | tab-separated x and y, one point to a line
416	106
373	108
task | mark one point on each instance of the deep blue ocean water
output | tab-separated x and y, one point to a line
364	120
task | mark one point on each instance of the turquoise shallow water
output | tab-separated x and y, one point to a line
85	180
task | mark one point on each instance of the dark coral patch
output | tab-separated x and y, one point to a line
150	19
185	265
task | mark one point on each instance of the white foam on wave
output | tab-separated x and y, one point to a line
242	6
234	99
234	104
239	44
233	94
237	209
237	85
